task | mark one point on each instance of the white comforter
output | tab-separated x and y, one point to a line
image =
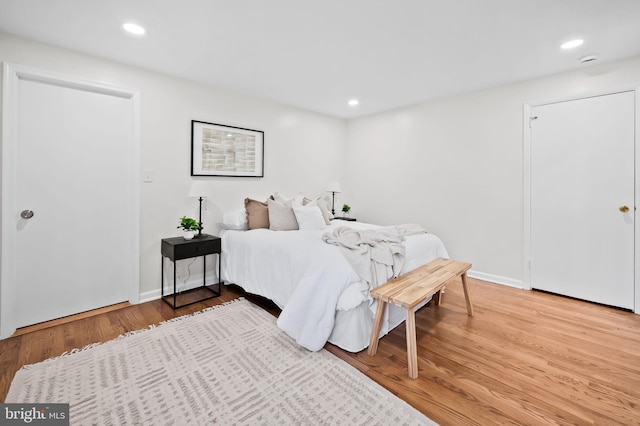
307	278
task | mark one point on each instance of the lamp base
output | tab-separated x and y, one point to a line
333	203
199	234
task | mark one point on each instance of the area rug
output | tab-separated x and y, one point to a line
229	364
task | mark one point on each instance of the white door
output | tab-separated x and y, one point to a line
74	170
582	182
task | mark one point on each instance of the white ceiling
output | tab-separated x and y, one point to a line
318	54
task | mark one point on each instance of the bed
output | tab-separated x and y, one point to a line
321	296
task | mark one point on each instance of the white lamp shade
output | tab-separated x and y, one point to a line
199	188
333	186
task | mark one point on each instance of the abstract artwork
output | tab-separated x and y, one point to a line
219	150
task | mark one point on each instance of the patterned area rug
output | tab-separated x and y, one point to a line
229	364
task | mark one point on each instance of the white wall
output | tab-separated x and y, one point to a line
303	150
455	166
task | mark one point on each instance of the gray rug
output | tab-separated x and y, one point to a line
227	365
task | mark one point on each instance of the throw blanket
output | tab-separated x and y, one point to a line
309	315
376	254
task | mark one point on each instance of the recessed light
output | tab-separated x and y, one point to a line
133	28
353	102
572	44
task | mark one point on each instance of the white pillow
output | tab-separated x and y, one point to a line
235	219
323	204
283	198
309	217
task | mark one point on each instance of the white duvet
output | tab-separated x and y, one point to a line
309	279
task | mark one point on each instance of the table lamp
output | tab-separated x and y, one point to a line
333	187
198	190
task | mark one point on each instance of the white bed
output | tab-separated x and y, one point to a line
321	296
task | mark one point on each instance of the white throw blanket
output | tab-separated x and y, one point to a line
377	255
309	314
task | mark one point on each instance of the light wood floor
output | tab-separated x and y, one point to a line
526	357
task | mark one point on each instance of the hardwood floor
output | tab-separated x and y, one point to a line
526	357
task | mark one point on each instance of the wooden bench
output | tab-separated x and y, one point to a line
411	289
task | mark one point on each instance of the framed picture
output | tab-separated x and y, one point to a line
219	150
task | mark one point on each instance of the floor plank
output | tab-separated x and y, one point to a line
525	357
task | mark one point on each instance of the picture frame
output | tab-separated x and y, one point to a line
221	150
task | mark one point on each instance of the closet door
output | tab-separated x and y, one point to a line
582	198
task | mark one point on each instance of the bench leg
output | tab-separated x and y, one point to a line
377	325
467	296
437	297
412	348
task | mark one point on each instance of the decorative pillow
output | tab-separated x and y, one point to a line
281	216
257	214
284	198
235	219
323	204
309	217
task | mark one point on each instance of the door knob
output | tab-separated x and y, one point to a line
26	214
624	209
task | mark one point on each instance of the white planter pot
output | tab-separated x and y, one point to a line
188	235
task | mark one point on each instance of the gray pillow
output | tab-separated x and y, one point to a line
281	216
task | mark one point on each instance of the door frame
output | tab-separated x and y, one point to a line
12	74
526	155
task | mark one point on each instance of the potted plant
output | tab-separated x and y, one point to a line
190	226
346	208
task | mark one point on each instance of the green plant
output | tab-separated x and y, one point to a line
188	224
346	208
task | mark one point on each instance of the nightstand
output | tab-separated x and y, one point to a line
178	248
348	219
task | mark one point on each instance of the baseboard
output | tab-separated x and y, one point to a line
148	296
496	279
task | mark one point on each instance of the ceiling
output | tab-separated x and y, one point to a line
317	55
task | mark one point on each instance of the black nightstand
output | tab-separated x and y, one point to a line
178	248
348	219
